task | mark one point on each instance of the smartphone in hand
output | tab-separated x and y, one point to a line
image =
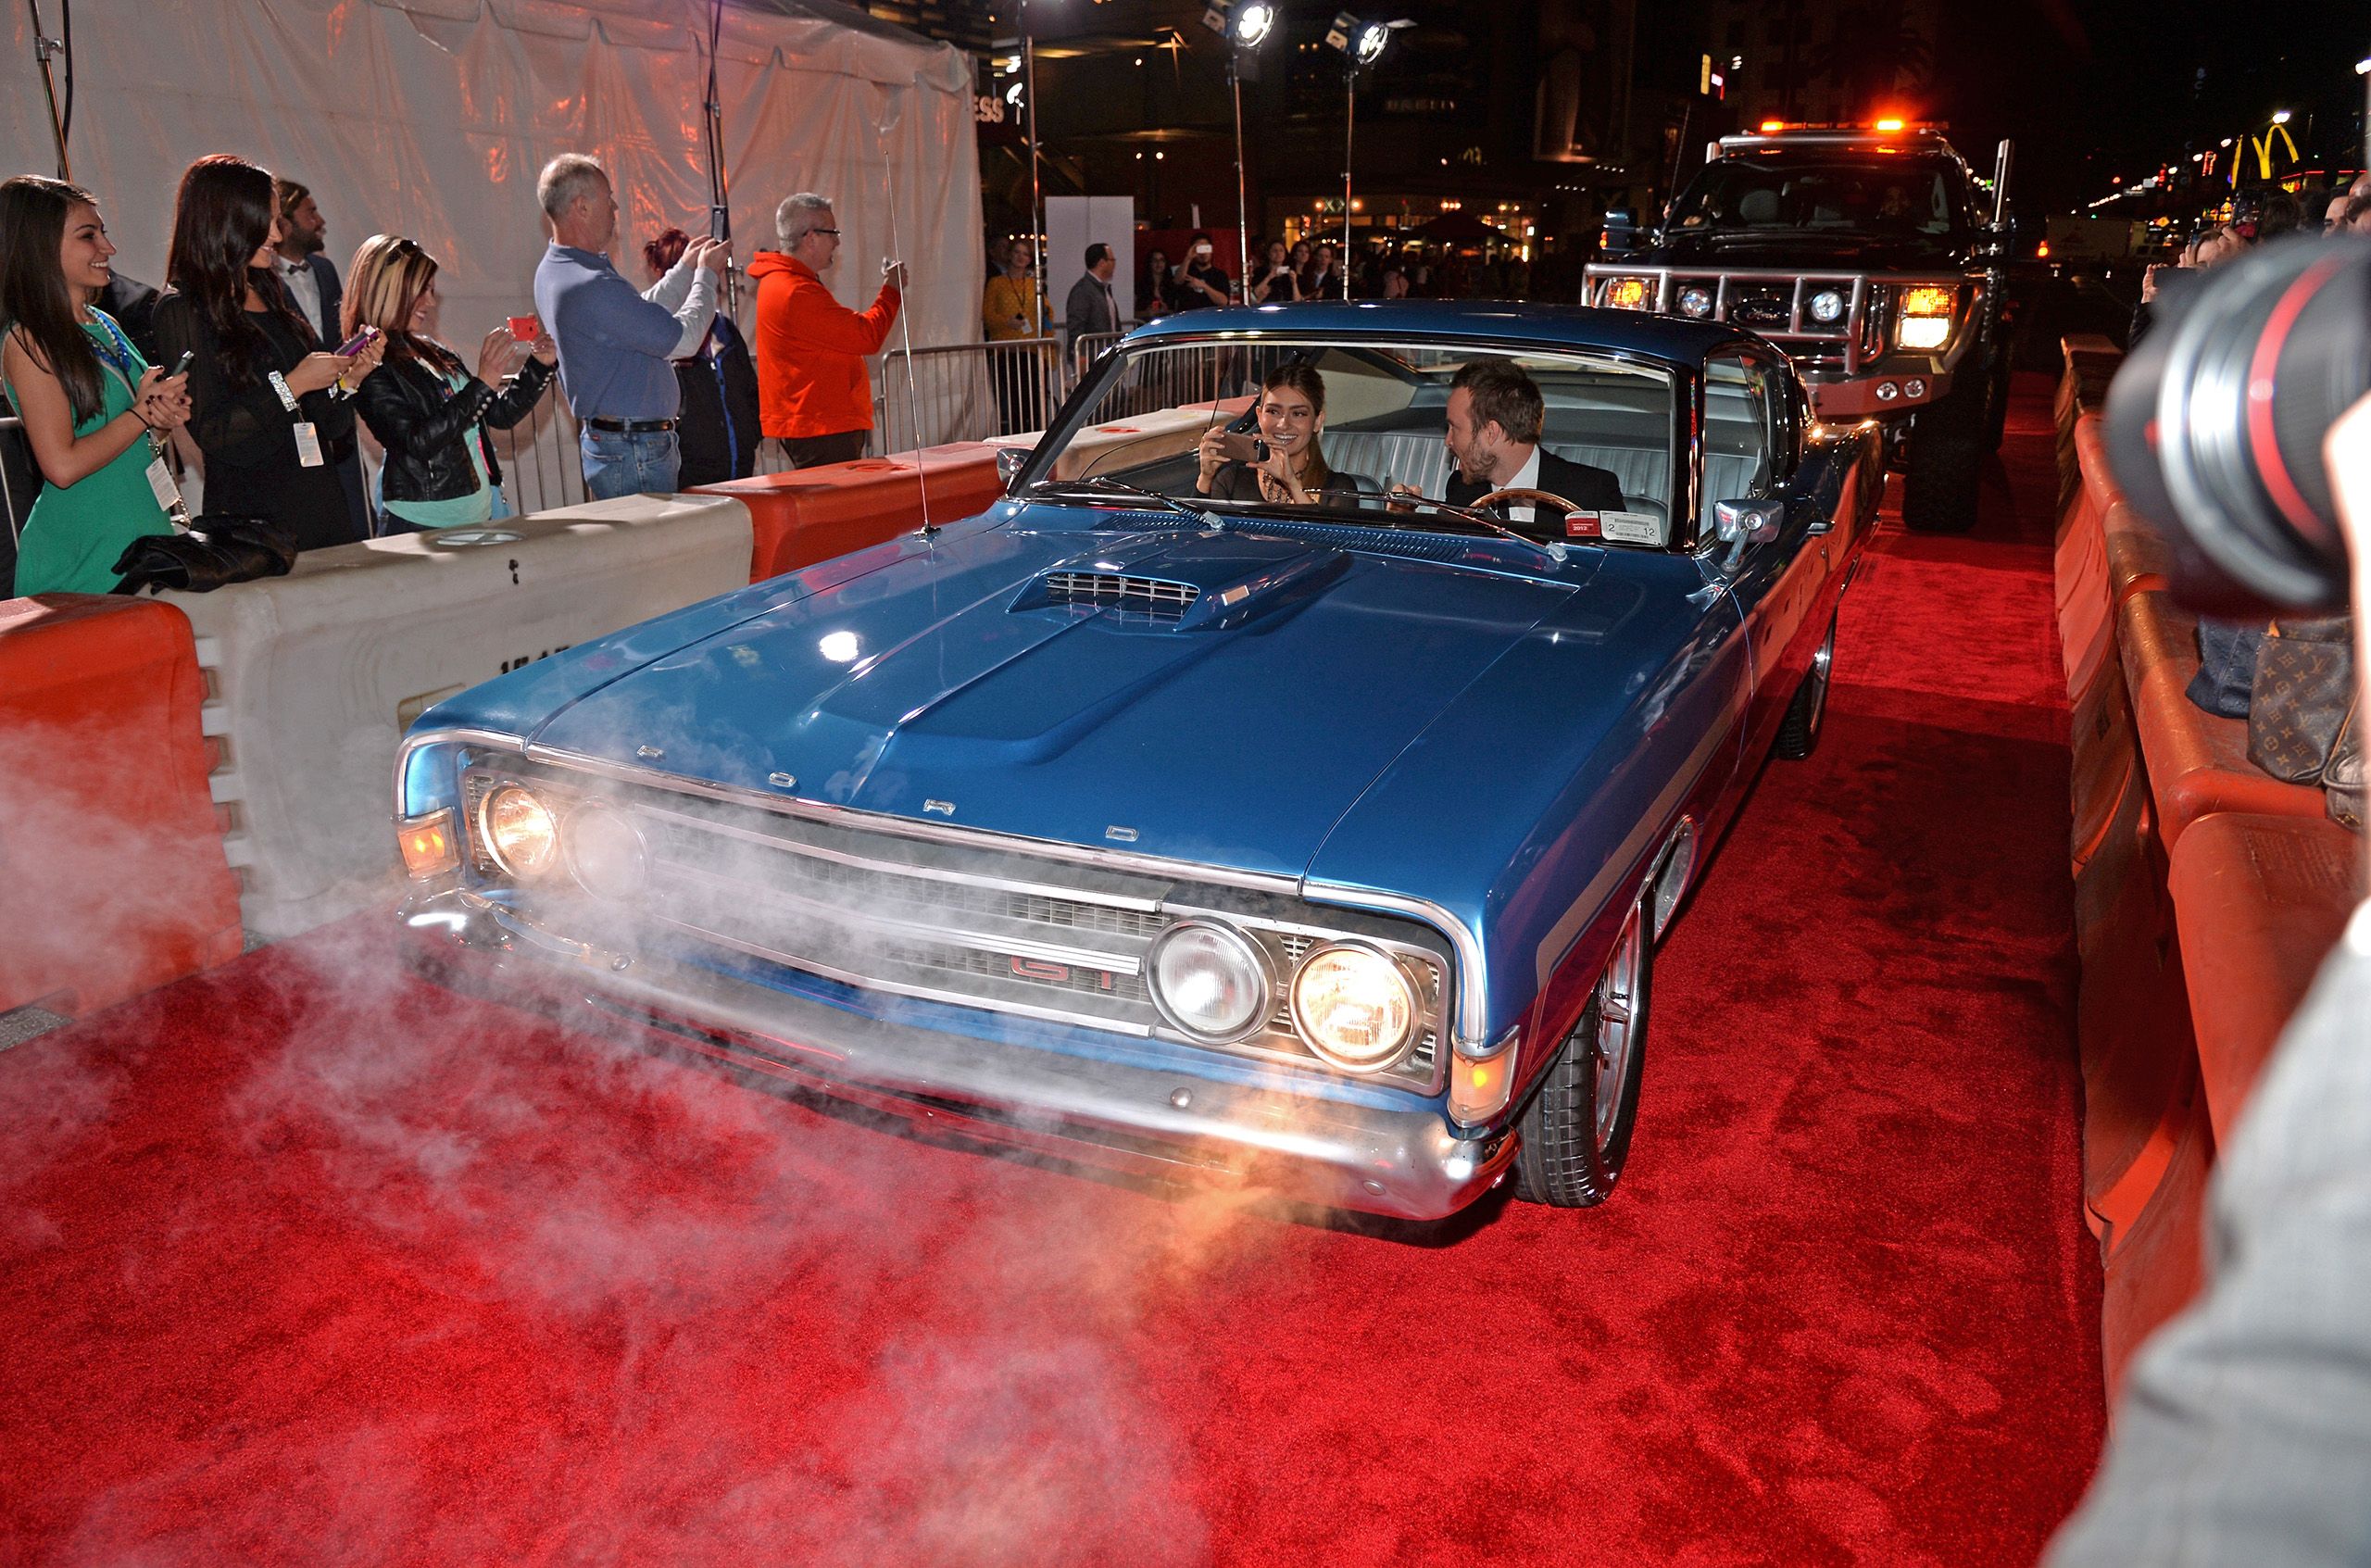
357	343
1243	448
525	329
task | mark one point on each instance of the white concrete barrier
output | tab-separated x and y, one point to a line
312	678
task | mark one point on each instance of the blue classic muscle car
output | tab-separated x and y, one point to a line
1285	783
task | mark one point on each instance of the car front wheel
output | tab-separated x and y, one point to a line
1946	467
1575	1136
1798	732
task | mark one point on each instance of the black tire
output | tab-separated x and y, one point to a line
1568	1155
1946	460
1798	732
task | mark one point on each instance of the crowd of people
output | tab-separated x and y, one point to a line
1283	274
262	369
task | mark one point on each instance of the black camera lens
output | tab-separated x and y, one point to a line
2215	423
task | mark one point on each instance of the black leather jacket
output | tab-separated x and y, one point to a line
422	423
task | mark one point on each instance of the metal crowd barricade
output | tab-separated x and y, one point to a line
965	391
543	465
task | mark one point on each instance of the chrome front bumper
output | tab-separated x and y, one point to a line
1164	1125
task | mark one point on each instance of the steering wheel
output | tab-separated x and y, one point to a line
1534	496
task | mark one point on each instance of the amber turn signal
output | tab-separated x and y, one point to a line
429	844
1477	1089
1928	302
1626	294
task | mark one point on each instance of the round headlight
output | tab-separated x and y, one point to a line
1827	305
605	852
1696	300
1210	980
1355	1007
518	831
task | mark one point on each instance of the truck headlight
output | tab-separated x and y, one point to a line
1210	980
1828	306
1927	316
1355	1005
519	830
1696	300
1628	293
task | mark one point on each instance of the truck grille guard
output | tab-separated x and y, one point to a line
1852	342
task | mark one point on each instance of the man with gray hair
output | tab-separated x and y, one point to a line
615	345
814	400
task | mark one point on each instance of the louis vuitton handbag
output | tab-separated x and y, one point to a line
2301	713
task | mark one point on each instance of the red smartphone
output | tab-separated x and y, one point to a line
357	343
525	329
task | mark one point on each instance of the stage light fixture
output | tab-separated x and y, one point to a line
1252	22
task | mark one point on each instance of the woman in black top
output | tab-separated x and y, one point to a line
267	413
1156	293
1291	412
425	406
716	430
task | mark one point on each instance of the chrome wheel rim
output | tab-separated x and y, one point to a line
1618	1023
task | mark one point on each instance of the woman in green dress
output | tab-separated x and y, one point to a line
88	399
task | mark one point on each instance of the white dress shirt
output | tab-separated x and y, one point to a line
305	287
1526	478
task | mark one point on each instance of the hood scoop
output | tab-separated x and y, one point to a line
1157	598
1220	579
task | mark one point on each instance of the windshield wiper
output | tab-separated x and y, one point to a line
1554	552
1112	487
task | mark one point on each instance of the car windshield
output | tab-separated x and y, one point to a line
1351	420
1869	195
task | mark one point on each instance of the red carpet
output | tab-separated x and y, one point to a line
301	1262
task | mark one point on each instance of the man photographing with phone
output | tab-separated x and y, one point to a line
617	347
814	400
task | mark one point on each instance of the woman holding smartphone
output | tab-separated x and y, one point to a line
90	402
425	408
269	406
1276	284
1292	416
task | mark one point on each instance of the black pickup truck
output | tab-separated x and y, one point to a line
1863	253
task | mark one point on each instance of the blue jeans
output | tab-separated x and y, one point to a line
616	463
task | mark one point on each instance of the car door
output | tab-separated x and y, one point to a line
1753	445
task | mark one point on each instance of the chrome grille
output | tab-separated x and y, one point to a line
1006	931
1155	596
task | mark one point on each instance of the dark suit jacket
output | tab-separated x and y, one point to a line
1594	490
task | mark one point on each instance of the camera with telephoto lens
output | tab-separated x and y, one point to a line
2215	424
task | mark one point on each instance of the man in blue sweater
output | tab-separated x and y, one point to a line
616	345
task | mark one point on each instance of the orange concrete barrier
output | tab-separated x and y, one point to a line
112	880
2105	762
811	514
2198	762
2155	1260
2261	901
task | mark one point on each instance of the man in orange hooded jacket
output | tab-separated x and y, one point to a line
814	401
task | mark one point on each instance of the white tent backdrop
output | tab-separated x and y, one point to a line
430	117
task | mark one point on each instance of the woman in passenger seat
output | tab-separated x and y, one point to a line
1292	416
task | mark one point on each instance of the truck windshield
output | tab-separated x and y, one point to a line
1870	195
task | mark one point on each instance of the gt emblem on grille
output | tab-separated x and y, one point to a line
944	807
1038	969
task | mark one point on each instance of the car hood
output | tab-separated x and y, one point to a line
1822	252
975	682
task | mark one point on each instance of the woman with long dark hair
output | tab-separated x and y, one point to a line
1291	414
88	401
425	408
269	405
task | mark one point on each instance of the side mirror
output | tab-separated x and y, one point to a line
1749	522
1010	460
1621	233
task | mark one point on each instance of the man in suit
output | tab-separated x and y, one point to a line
1090	308
1494	416
311	284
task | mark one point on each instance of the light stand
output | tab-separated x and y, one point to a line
720	200
1243	27
44	47
1362	43
1037	190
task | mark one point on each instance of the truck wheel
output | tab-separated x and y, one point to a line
1798	732
1575	1133
1946	461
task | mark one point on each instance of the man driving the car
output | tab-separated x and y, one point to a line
1495	412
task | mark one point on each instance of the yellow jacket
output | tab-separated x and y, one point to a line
1006	298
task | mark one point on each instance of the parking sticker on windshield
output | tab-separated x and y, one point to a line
1631	528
